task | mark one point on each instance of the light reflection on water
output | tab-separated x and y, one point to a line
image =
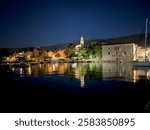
106	87
96	71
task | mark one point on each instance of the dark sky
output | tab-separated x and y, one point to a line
43	22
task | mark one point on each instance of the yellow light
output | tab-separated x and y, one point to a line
29	70
134	52
147	52
135	76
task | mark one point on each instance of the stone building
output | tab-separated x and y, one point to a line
119	52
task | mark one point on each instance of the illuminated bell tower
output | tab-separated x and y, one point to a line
82	41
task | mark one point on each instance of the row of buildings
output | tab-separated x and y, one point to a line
36	55
110	52
41	55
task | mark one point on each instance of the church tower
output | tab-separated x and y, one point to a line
82	41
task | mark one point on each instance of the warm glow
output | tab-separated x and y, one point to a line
29	70
135	76
20	71
79	76
49	68
148	75
82	82
134	52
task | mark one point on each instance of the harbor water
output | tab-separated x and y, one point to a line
75	87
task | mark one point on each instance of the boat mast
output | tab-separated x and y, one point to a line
146	36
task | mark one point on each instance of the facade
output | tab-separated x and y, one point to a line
119	52
141	52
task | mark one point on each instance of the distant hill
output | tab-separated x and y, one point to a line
135	38
55	46
64	45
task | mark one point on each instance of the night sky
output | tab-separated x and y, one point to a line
26	23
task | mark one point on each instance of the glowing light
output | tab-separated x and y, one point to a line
134	52
82	82
74	65
20	71
40	66
13	69
29	70
147	52
135	76
148	75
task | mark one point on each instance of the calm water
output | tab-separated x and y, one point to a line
76	87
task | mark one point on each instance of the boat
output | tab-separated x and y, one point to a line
145	62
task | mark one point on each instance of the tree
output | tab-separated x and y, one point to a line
69	51
95	50
82	53
42	55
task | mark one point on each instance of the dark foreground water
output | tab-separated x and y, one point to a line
107	87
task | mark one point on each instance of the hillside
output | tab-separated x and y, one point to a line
56	46
64	45
135	38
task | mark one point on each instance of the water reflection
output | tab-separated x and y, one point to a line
94	71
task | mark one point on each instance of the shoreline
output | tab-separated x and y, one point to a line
27	63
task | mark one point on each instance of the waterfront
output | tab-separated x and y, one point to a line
75	87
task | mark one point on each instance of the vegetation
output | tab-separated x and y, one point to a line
42	54
69	51
93	51
82	53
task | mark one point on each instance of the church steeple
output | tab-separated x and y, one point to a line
82	41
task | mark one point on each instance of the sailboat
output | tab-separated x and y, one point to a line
146	62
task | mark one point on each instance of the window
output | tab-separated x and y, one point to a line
108	53
125	52
116	48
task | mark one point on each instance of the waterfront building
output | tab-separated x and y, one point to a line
141	53
119	52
